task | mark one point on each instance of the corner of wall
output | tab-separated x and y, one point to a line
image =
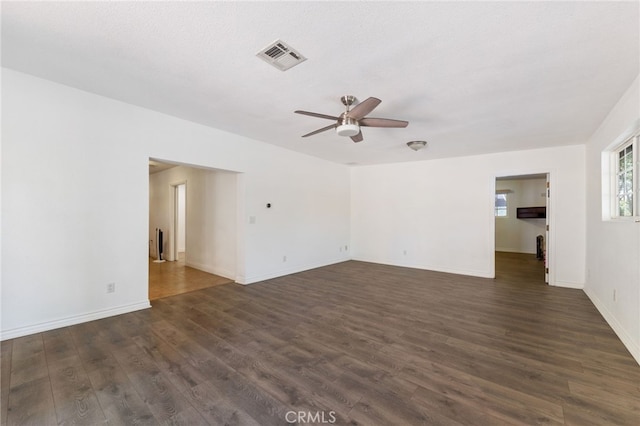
569	284
632	346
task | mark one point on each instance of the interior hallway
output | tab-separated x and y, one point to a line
172	278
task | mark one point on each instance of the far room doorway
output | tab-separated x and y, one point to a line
195	208
180	226
522	228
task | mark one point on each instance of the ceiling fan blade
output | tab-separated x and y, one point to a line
315	114
324	129
358	137
382	122
364	108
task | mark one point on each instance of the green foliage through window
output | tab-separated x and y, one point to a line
625	180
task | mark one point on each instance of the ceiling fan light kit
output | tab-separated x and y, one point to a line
348	127
349	122
416	145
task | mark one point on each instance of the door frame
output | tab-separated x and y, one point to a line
549	232
173	220
241	210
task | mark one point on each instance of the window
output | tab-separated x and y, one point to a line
501	205
621	176
625	179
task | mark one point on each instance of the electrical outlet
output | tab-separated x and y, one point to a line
111	288
346	248
404	252
284	258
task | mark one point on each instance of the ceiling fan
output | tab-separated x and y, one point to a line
349	122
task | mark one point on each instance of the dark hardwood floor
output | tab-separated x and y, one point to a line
362	343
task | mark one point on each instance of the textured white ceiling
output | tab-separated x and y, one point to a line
470	78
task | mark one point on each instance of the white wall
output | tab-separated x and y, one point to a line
519	235
211	215
613	247
441	212
211	223
75	206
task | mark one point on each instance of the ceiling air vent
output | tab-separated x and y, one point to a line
280	55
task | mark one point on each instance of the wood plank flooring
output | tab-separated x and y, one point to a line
359	342
173	278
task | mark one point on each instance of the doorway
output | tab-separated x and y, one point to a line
522	237
179	238
196	208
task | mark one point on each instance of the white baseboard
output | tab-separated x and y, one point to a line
469	272
212	270
291	270
568	284
514	250
73	320
632	346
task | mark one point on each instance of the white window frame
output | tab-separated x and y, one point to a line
611	173
506	198
615	158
